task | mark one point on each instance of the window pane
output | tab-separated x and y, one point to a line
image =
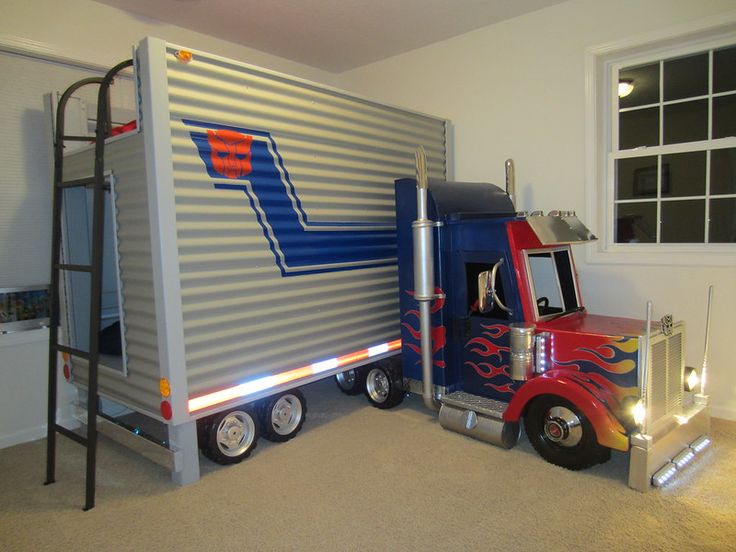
723	171
685	77
683	174
636	222
638	128
722	221
724	70
724	116
646	85
686	122
683	221
636	178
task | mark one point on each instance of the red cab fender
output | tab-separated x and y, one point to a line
608	429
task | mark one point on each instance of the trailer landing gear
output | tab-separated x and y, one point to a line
562	435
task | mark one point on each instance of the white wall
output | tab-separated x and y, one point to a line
93	34
517	89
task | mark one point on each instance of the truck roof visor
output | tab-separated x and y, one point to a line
463	198
555	229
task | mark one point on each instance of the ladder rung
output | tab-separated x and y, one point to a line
79	138
77	183
72	351
71	434
74	267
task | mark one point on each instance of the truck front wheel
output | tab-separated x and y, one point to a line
384	385
562	435
229	437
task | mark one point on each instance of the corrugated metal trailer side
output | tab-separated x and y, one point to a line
260	252
138	385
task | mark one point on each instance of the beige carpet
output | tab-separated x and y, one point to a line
358	478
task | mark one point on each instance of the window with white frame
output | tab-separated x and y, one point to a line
672	156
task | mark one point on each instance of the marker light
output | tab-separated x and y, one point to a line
185	56
164	387
691	379
267	382
664	474
639	413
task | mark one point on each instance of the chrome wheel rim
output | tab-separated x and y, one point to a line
235	433
346	379
377	385
562	426
286	414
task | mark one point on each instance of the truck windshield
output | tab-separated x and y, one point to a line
553	282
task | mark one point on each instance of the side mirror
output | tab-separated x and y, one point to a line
487	295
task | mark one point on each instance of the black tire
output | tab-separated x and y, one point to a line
283	415
562	435
384	384
351	382
229	437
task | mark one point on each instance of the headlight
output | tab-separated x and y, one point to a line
691	379
639	413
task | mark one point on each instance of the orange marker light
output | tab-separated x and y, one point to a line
164	387
185	56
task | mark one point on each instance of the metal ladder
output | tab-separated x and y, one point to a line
94	269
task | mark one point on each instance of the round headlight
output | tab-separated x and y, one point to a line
692	379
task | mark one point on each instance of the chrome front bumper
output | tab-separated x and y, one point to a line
659	451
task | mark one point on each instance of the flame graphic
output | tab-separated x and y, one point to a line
439	333
505	388
485	370
492	348
614	360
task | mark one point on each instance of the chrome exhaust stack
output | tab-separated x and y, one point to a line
424	278
510	181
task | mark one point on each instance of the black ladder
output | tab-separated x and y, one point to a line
94	268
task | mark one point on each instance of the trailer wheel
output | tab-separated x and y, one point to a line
351	382
229	437
384	385
562	435
283	415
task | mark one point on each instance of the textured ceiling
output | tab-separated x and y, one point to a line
334	35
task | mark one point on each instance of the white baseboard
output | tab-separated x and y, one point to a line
723	413
33	434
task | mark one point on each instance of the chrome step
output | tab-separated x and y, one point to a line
476	403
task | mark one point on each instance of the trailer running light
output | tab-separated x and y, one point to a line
700	443
267	382
665	473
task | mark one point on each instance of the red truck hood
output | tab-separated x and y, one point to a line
594	324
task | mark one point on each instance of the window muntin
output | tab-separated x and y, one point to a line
673	158
552	282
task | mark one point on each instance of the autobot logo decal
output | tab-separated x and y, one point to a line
248	161
230	153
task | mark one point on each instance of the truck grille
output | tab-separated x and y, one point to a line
665	375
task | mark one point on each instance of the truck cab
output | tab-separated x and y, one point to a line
513	343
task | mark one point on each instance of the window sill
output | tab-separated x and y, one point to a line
662	255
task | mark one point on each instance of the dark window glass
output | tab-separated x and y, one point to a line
685	77
636	222
683	221
723	171
724	116
686	122
724	70
638	128
636	178
646	85
566	278
683	174
722	227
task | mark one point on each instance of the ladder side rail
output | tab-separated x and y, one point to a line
98	220
57	194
